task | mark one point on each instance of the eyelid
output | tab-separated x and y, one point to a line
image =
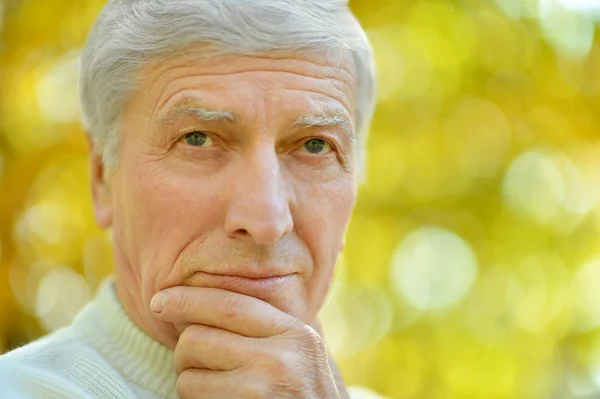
189	131
331	146
211	135
333	143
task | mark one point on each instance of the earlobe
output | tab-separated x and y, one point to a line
101	190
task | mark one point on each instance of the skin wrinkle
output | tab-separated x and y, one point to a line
328	38
321	67
330	72
163	109
179	211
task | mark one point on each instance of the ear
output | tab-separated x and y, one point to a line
101	187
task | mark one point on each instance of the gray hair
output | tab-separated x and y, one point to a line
130	34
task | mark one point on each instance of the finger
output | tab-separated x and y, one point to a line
209	348
223	309
335	371
210	384
316	325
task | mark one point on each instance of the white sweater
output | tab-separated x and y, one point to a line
101	355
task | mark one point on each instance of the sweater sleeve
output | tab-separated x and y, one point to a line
20	381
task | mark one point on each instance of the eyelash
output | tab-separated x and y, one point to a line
331	143
213	136
334	148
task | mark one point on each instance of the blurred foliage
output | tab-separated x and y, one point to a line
472	267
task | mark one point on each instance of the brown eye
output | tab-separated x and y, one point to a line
317	146
198	139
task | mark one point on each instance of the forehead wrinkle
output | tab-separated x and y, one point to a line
341	84
324	97
318	70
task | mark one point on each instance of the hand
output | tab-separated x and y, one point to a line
237	346
335	371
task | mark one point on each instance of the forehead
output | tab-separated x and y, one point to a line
292	81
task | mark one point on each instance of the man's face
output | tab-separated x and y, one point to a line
234	173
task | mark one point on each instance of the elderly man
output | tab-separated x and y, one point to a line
226	140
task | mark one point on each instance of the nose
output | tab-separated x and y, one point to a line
259	202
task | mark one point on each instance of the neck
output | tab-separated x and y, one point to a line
140	359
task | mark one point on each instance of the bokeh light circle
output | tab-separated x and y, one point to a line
355	318
433	268
571	32
512	8
61	294
534	186
584	296
583	6
62	77
363	393
486	108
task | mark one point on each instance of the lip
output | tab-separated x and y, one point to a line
261	287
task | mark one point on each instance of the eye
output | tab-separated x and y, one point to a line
198	139
317	146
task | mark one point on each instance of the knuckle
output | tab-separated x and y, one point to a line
194	333
284	323
283	363
186	338
184	385
311	348
287	373
250	355
310	339
180	363
255	389
190	347
181	359
233	307
185	303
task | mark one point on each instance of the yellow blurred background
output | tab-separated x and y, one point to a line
472	266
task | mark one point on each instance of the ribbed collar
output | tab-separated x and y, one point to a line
141	360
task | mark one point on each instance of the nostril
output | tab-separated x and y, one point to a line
240	233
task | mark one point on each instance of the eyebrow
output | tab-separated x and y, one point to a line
306	120
325	120
204	114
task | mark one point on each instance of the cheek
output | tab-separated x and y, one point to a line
156	201
160	213
325	216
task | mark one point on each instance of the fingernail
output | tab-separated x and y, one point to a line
158	301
